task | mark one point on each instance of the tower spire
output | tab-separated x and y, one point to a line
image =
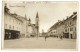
37	24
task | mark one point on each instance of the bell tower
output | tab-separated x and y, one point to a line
37	24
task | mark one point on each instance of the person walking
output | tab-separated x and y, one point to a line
61	37
45	38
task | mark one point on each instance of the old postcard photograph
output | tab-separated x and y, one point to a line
39	25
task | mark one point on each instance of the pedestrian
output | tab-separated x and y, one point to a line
45	38
61	37
57	36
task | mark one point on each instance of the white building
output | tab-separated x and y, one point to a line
12	23
15	25
24	26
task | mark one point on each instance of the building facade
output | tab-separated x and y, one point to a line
12	23
65	28
29	28
60	29
33	29
70	26
75	25
17	26
24	26
52	32
34	34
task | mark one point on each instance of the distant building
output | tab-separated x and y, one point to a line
33	29
24	26
29	28
52	32
43	33
34	34
60	28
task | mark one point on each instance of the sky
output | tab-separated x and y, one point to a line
49	12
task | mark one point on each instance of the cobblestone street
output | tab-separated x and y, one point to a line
40	43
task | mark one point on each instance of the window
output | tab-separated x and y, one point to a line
13	20
16	21
5	25
65	30
9	32
71	29
19	23
6	32
10	18
68	29
75	28
13	27
9	26
17	28
70	23
65	25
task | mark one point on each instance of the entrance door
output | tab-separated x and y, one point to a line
66	35
6	35
71	36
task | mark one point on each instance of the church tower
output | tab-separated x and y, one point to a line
37	24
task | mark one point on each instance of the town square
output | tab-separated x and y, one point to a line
40	25
40	43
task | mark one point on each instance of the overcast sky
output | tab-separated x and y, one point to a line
49	12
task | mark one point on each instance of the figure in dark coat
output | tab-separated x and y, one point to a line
45	38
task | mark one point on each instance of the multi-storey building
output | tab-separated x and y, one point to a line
12	23
60	29
75	25
65	28
24	26
53	30
34	30
15	25
70	26
29	28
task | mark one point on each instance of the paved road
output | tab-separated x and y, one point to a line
40	43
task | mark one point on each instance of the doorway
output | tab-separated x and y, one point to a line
71	36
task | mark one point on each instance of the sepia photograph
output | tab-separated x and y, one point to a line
39	25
